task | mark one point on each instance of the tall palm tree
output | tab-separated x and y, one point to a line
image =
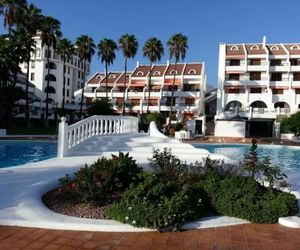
178	45
85	47
106	51
50	31
30	26
153	50
65	49
13	12
128	44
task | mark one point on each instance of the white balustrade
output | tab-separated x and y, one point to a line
70	136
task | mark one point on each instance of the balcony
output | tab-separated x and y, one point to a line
263	66
244	80
283	67
295	68
285	82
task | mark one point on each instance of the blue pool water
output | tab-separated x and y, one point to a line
287	157
13	153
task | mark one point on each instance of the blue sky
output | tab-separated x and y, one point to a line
206	23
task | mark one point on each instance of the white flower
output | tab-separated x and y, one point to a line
126	218
159	204
145	198
133	222
129	208
186	196
200	200
166	223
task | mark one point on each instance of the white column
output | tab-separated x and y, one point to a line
62	138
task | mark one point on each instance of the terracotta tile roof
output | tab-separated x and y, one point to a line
276	49
96	78
193	69
294	49
158	70
141	71
121	80
112	77
256	49
235	50
179	69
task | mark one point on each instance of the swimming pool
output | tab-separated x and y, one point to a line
287	157
13	153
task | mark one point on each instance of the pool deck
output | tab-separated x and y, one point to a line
248	236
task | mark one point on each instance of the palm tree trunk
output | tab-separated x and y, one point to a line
172	95
82	92
64	86
149	87
106	80
47	92
26	95
123	108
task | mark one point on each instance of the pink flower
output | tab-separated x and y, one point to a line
73	185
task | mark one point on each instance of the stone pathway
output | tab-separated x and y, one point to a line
247	236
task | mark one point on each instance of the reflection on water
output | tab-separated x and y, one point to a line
288	158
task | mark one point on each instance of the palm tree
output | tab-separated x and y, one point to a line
13	12
178	45
106	51
128	44
153	50
66	49
85	50
30	26
50	32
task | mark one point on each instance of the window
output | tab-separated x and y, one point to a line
68	82
255	76
295	61
254	47
296	76
234	77
192	72
255	90
255	61
234	62
234	48
297	92
275	62
140	73
50	90
274	48
38	53
173	72
68	70
50	77
32	64
51	65
232	91
25	65
32	76
277	91
276	76
295	47
79	74
68	92
46	53
156	73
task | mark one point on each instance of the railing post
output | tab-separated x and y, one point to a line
62	138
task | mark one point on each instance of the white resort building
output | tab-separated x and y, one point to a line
190	85
256	83
38	75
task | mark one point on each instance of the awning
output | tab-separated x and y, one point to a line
235	87
279	87
171	84
137	85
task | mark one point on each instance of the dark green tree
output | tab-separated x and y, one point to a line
128	44
106	52
153	50
101	107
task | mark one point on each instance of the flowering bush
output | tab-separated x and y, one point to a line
96	182
158	204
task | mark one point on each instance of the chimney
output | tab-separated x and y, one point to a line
137	64
264	41
168	62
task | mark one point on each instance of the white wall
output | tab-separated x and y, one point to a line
230	128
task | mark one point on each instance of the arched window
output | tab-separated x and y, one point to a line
231	106
258	104
295	47
50	90
99	77
112	76
173	72
234	47
156	73
140	73
281	105
51	78
51	65
274	48
192	72
254	47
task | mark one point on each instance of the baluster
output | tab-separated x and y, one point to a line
101	127
97	127
82	132
69	139
110	126
106	126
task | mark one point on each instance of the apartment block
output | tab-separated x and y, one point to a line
257	82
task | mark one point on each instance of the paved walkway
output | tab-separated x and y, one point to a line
249	236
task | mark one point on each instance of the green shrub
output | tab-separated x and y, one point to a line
163	205
95	182
146	118
245	198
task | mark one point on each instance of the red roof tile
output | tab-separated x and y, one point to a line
235	49
276	49
171	67
294	49
193	69
255	49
